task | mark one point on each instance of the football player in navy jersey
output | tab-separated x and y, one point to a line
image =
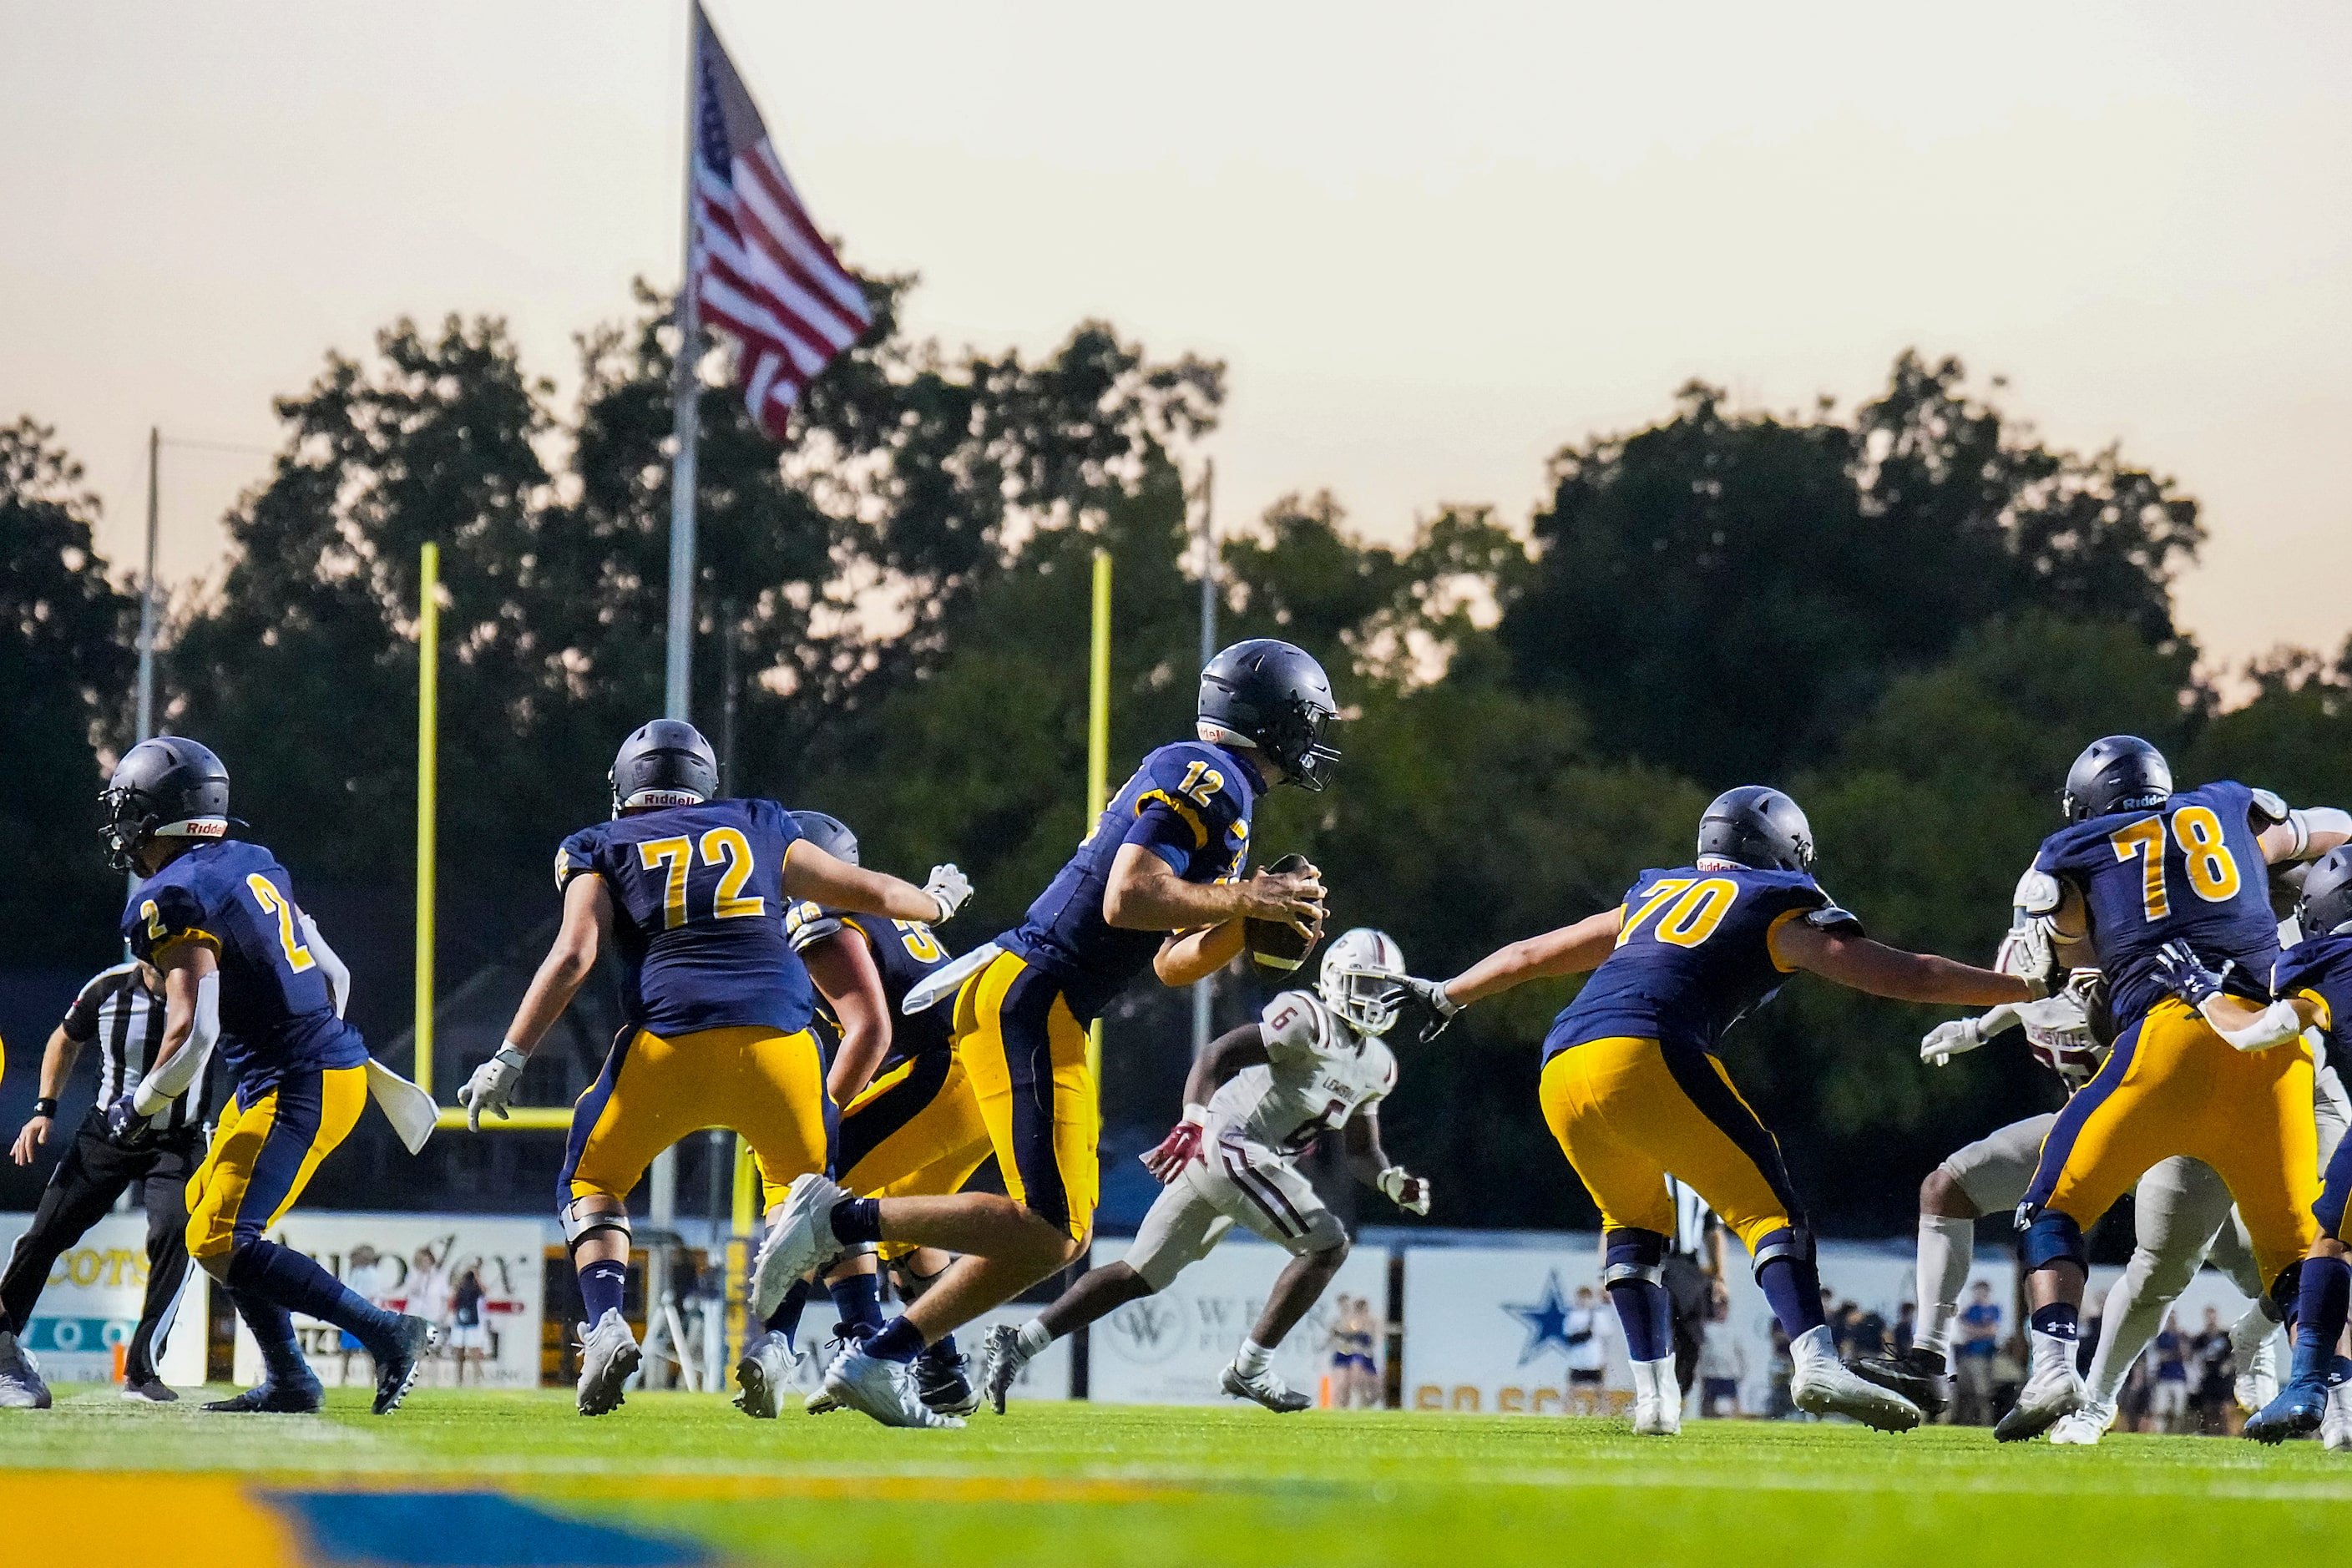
1157	885
691	890
2144	878
1633	1091
245	972
2313	985
910	1125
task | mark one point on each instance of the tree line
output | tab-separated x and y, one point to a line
1911	614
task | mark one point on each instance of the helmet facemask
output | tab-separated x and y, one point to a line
1362	981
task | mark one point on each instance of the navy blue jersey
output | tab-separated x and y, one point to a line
2190	871
1189	804
276	1012
698	914
2319	970
1693	957
904	952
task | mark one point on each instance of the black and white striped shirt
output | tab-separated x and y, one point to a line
126	1019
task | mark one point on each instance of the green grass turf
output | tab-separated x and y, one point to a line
1123	1484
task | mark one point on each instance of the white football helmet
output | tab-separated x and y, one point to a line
1363	979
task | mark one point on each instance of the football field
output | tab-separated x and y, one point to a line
497	1478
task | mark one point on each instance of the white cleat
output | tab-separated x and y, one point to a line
2083	1429
1657	1399
1000	1361
2336	1427
1264	1388
765	1375
820	1403
608	1359
800	1241
883	1389
2258	1381
1822	1385
2054	1391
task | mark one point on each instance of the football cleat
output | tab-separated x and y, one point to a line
608	1358
2055	1389
148	1390
882	1389
2301	1408
1264	1388
943	1380
2257	1382
1918	1376
1657	1399
1821	1385
274	1399
2336	1427
395	1375
763	1376
1000	1361
799	1242
2083	1429
21	1387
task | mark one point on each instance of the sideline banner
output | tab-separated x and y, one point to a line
417	1263
90	1306
1172	1348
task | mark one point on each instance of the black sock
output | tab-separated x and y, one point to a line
2059	1320
856	1220
786	1319
601	1287
858	1298
273	1331
290	1279
900	1341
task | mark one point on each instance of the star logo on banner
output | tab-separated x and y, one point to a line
1545	1320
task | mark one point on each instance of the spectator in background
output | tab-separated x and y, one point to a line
1588	1350
1973	1380
2217	1402
1355	1375
1869	1336
1721	1366
2168	1400
469	1330
425	1291
1906	1326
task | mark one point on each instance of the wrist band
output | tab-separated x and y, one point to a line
45	1106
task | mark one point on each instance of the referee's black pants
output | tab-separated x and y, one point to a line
92	1174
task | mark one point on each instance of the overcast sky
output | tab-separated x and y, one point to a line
1433	244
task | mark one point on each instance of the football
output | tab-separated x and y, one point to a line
1273	944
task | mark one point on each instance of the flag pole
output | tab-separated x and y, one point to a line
678	666
1205	988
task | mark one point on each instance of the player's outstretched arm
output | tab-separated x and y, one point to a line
58	1060
2308	833
811	873
844	970
1570	950
1881	971
1223	1056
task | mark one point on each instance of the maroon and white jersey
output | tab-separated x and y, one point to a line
1319	1073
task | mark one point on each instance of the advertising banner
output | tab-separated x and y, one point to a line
90	1306
480	1278
1172	1348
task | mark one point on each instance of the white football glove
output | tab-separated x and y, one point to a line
492	1086
2030	952
1958	1036
1409	1192
951	887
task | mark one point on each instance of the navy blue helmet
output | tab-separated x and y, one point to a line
169	787
1276	697
2325	905
829	833
1757	827
665	763
2115	772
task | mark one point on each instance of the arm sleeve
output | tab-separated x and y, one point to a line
330	964
168	1082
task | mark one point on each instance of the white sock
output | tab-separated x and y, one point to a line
2050	1353
1948	1250
1655	1379
1033	1337
1815	1344
1253	1358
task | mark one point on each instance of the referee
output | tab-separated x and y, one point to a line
1694	1276
121	1008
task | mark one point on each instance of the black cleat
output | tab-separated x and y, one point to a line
148	1390
413	1340
274	1399
1918	1375
944	1383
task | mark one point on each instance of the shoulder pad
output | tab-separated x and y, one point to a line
1296	1019
2037	892
2268	807
1834	921
807	923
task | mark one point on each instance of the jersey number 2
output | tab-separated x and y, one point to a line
297	957
2212	870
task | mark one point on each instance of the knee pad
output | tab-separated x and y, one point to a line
581	1222
1637	1255
2053	1237
1324	1232
1792	1242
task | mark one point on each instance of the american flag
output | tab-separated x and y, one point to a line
760	270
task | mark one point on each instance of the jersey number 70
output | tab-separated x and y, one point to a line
1693	918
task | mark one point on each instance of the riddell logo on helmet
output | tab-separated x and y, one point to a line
199	827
